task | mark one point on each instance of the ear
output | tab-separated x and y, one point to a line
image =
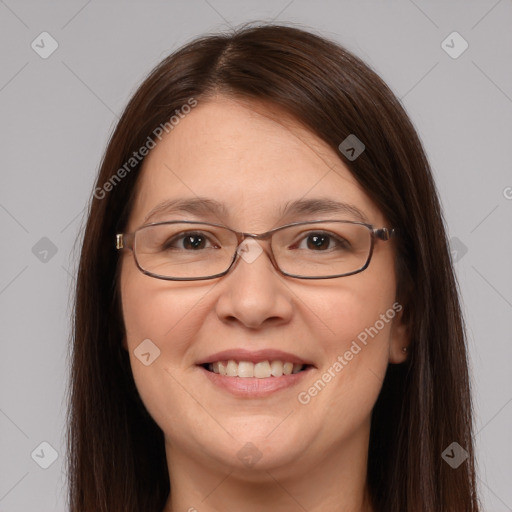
399	339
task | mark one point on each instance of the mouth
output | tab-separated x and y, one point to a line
254	373
265	369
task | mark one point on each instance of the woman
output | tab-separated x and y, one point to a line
277	324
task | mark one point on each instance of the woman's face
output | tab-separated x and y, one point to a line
347	329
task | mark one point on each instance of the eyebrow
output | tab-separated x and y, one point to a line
195	205
204	206
321	205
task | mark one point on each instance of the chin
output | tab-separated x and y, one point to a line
256	450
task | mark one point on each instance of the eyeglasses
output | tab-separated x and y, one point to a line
192	251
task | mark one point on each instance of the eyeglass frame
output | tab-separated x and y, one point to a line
127	240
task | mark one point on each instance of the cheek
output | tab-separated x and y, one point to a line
159	310
347	310
160	320
152	313
356	317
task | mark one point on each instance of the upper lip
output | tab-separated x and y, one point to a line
254	356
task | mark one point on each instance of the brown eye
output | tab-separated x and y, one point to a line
194	242
187	241
318	242
322	241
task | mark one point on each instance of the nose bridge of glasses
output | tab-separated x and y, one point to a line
250	246
244	237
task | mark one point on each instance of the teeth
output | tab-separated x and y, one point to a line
232	369
222	367
276	368
261	370
245	369
296	368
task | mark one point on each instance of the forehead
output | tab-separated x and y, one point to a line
251	159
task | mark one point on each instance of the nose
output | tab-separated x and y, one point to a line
254	293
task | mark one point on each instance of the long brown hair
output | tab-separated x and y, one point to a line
116	454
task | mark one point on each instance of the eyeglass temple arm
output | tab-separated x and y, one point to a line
384	233
124	241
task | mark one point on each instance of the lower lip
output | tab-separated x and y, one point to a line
252	387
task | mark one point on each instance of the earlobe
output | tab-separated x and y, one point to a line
399	341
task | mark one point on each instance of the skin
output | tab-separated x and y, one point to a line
313	456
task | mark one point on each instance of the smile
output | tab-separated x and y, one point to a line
259	370
254	373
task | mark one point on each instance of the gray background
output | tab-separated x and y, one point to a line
57	114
